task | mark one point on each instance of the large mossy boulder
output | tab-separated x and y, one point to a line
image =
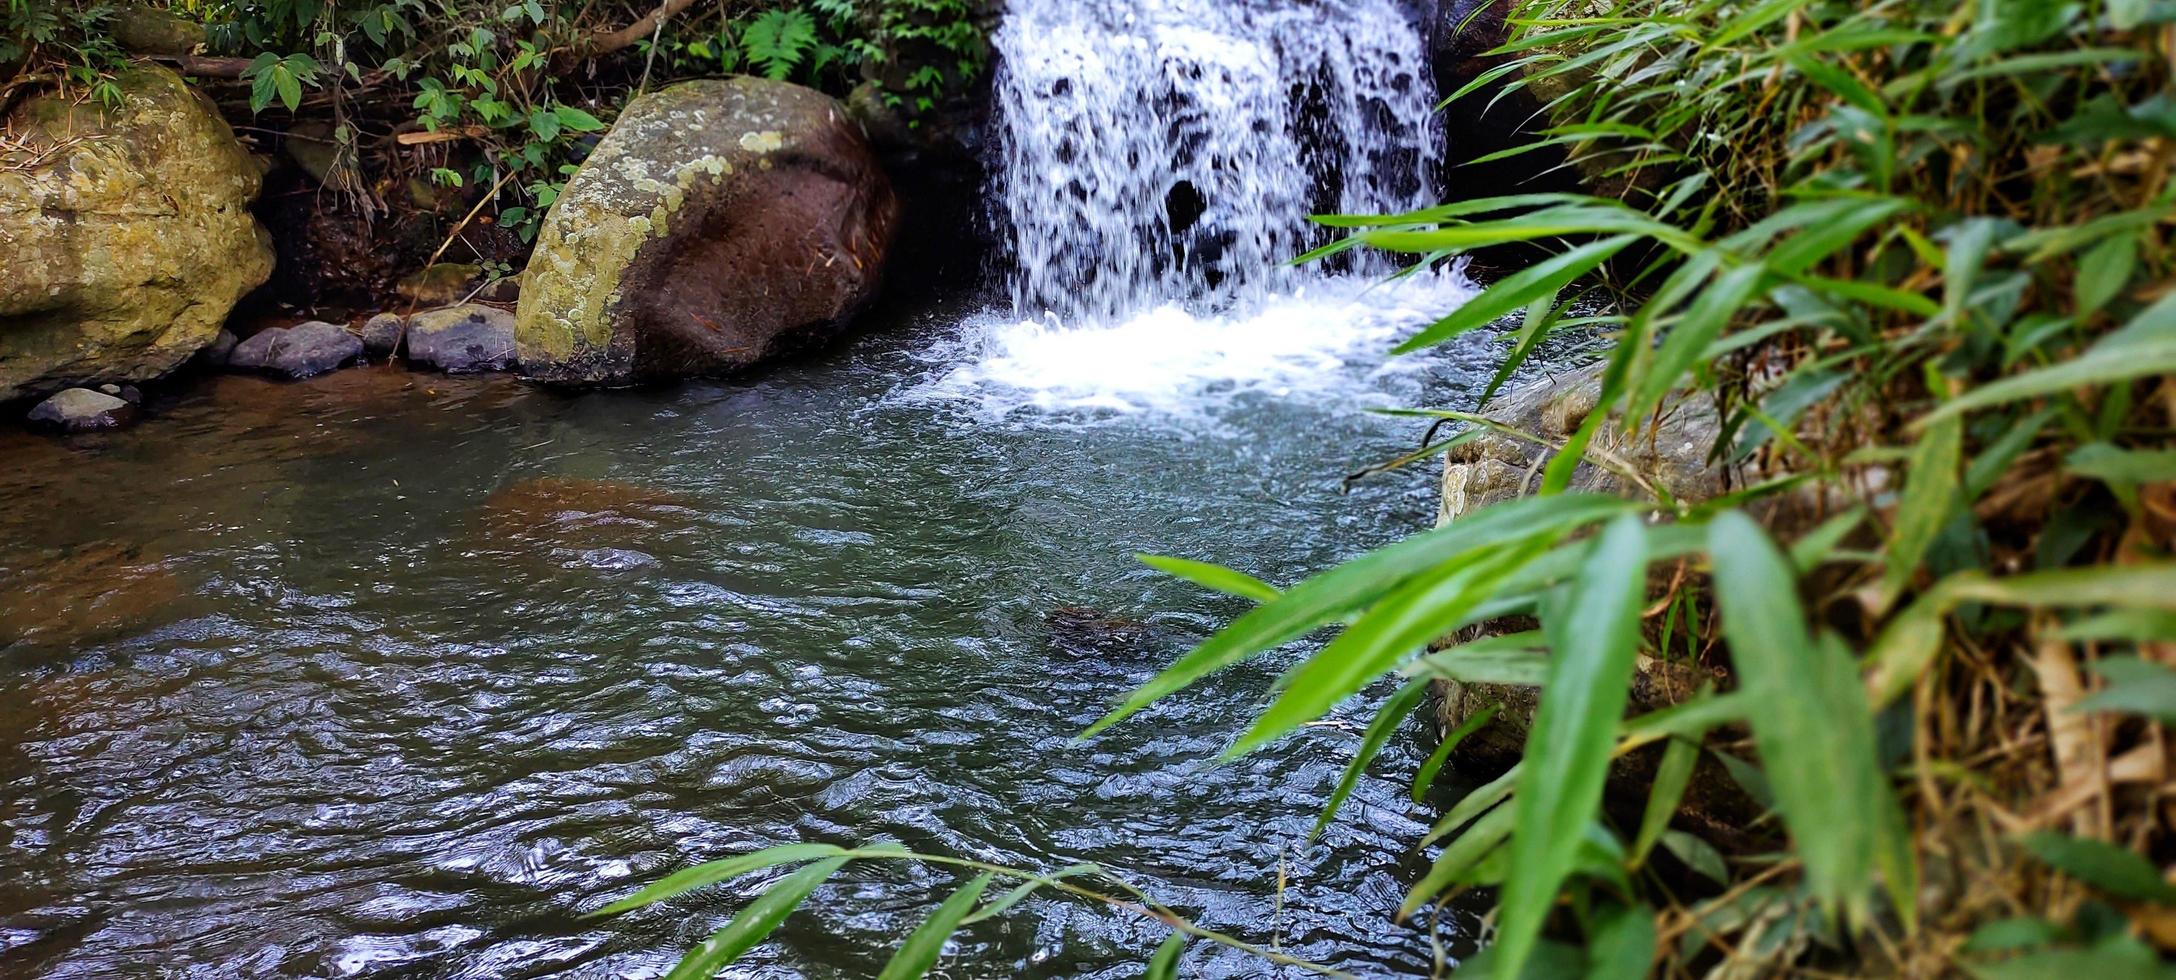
125	235
720	223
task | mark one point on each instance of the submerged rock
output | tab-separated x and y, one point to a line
301	351
80	595
125	235
462	339
82	410
720	223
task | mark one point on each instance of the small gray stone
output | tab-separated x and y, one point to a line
219	350
381	335
110	389
462	339
301	351
81	409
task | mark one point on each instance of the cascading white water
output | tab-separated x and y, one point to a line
1158	161
1159	151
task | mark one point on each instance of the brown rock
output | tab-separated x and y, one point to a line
720	223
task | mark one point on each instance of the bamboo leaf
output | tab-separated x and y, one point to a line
1517	290
1703	322
1329	595
1015	895
2103	865
1814	731
1426	777
713	872
1671	777
1590	679
926	943
754	923
2103	365
1461	856
2135	686
1623	946
1426	607
1165	964
1930	496
1213	577
1379	731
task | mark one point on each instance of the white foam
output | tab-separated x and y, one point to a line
1326	342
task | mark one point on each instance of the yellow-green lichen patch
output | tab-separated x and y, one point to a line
127	246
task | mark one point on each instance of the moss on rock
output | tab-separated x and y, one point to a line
126	235
719	222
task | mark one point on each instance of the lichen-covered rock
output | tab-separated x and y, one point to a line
149	30
721	222
381	334
125	238
304	350
81	410
1495	467
462	339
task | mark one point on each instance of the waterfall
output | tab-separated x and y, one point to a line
1156	164
1158	152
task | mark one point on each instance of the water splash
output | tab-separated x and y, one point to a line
1168	152
1322	342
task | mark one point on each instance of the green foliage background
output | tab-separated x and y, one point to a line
524	81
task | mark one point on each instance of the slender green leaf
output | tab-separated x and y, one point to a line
1930	496
999	905
1517	290
1429	769
1165	964
1405	621
1623	945
1329	595
1814	730
711	873
926	943
754	923
1215	577
1590	680
2105	866
1379	731
2135	687
1671	777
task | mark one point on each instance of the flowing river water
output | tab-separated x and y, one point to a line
395	675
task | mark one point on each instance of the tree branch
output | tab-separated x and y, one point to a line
625	36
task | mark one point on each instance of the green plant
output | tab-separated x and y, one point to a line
494	77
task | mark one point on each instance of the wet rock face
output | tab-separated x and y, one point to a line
125	237
462	339
301	351
83	410
720	223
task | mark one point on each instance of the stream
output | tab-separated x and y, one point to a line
392	674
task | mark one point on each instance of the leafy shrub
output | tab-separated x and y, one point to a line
521	82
